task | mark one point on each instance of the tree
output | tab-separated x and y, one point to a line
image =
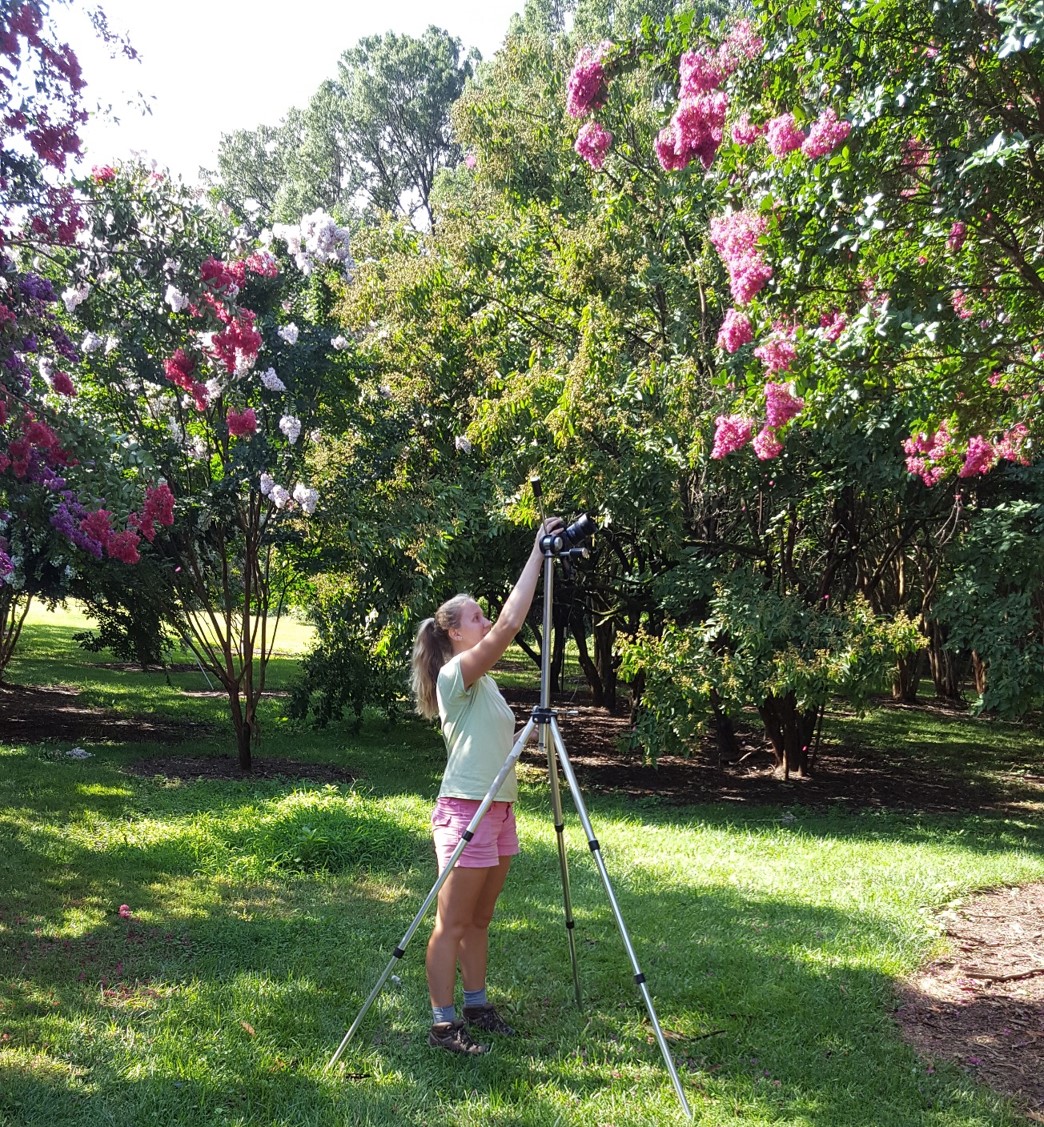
60	481
219	433
372	139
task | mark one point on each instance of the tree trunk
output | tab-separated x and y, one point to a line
586	664
907	677
979	672
604	658
790	731
14	606
724	732
945	672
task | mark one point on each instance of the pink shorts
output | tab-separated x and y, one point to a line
495	837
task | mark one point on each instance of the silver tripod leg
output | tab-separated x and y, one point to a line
592	841
465	837
547	747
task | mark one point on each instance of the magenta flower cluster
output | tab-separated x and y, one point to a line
586	85
782	135
767	444
593	142
735	238
924	454
735	332
731	433
955	240
779	352
825	135
781	404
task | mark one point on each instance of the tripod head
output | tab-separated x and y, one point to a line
569	543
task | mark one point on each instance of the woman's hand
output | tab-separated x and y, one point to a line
551	527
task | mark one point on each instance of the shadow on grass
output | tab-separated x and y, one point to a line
227	1007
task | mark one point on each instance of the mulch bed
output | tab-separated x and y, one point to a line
981	1006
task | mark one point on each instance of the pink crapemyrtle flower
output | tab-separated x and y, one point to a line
125	912
766	444
744	132
592	143
980	458
832	324
586	85
781	404
825	135
242	423
695	131
470	160
735	332
735	237
741	44
779	352
782	135
955	240
924	454
731	433
1010	445
961	304
699	73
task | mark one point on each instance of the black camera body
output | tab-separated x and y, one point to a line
570	541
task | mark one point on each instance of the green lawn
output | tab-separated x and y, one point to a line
262	912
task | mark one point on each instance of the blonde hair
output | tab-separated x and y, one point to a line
431	650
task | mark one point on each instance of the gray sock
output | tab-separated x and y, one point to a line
475	998
440	1014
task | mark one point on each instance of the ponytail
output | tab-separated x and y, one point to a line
431	650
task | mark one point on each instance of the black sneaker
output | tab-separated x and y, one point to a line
487	1019
454	1038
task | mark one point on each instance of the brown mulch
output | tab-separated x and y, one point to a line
40	714
981	1006
189	767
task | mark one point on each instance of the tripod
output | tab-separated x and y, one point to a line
550	742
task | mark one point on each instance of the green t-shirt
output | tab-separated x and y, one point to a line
479	729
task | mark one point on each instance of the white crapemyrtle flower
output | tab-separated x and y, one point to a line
272	381
176	430
244	363
196	447
214	387
306	498
289	333
316	435
46	368
463	444
267	484
385	391
107	277
74	296
111	344
92	343
279	496
175	299
290	425
340	343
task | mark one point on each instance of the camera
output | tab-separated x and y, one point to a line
569	542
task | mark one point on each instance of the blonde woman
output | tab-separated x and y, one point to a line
452	656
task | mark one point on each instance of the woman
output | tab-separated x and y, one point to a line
452	656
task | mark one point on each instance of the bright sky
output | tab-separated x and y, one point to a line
211	66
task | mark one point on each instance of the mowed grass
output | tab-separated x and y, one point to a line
260	914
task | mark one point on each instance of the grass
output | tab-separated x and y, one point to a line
262	912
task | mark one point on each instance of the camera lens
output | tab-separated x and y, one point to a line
579	531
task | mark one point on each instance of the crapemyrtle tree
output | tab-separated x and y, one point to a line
64	499
218	392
